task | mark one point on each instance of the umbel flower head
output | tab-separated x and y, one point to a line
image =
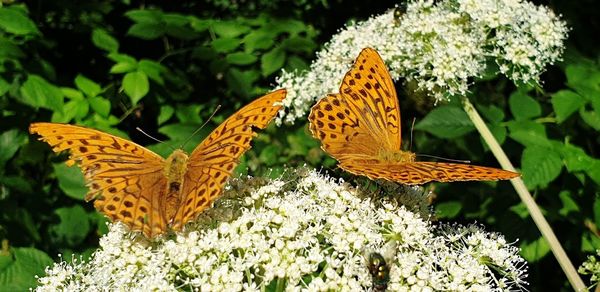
304	232
440	47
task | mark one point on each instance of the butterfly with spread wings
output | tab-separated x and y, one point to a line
136	186
360	128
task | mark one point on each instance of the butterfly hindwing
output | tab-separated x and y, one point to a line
124	178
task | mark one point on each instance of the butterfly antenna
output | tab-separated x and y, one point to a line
412	127
155	139
200	128
446	159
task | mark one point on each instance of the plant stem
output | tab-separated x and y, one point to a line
526	197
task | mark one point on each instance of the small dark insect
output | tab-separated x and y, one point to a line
379	270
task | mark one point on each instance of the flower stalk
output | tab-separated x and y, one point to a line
526	198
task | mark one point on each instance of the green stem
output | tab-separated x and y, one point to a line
526	198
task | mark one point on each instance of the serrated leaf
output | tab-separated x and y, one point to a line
446	122
575	158
89	87
539	166
100	105
13	20
528	133
240	58
534	251
565	103
20	268
71	93
103	40
73	109
166	112
136	86
37	92
10	142
70	180
523	106
73	226
272	61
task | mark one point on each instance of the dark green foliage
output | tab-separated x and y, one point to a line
165	66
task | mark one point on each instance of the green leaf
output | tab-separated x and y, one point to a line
575	158
492	113
523	106
272	61
596	210
10	142
446	121
9	49
70	180
298	44
229	29
37	92
565	103
240	82
534	251
136	86
528	133
225	45
258	40
20	268
144	16
89	87
123	67
448	210
592	118
296	63
100	105
147	31
240	58
71	93
122	58
4	86
539	166
594	171
103	40
189	113
568	204
73	227
74	109
153	69
166	112
13	20
270	155
199	25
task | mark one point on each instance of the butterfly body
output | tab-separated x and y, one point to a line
148	193
360	128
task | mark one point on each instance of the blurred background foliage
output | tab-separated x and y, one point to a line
164	66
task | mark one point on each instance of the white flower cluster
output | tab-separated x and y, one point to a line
591	267
441	47
307	234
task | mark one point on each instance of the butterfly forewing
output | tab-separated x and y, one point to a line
125	179
213	161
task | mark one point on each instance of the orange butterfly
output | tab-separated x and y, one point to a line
136	186
360	127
